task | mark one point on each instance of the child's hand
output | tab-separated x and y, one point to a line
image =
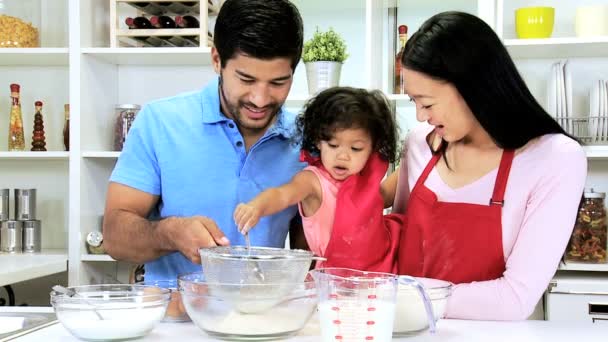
246	216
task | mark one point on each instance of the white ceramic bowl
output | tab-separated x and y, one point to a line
591	21
110	312
223	317
410	314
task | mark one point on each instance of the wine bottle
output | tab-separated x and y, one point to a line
187	21
138	23
162	21
142	23
16	138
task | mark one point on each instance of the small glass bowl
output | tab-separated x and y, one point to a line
410	314
110	312
218	310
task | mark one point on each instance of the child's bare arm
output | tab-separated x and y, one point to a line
388	188
273	200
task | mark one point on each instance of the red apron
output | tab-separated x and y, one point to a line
362	237
457	242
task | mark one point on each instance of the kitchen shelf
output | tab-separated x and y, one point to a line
557	47
152	55
97	257
101	154
34	56
570	266
34	155
596	152
25	266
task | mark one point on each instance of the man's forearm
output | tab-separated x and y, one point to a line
129	237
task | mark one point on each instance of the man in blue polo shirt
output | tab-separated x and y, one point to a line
190	159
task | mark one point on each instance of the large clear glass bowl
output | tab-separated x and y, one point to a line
110	312
410	314
248	318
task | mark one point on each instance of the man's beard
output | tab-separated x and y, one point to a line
240	119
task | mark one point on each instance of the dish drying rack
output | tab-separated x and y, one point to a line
592	130
122	36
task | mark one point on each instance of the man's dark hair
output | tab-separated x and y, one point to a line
263	29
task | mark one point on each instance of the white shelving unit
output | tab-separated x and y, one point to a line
97	257
20	267
569	266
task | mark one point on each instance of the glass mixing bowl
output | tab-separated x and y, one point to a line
410	315
228	317
110	312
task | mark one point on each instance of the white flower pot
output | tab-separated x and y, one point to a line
322	75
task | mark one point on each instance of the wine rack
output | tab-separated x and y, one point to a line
123	36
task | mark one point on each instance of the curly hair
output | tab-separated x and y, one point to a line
339	108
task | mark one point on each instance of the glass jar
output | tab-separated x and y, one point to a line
19	23
125	114
588	241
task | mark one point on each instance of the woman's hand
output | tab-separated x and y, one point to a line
246	216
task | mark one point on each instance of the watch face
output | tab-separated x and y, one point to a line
94	239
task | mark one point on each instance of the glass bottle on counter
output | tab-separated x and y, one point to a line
38	139
399	86
66	127
588	241
16	138
125	114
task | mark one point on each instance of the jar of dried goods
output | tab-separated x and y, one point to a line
588	241
125	114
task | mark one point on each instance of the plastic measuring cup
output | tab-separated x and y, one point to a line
360	306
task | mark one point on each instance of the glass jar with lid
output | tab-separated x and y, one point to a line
125	114
19	23
588	241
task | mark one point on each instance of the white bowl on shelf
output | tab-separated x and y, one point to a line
591	21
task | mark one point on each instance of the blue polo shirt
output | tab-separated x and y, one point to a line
186	151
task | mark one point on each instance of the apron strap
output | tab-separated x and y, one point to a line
427	170
502	177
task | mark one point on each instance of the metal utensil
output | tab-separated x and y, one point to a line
72	293
257	271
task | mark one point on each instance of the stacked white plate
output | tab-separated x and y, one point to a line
559	95
598	111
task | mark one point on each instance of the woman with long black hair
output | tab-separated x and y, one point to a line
491	185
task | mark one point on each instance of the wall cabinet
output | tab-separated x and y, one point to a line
75	64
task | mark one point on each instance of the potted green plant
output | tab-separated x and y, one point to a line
323	56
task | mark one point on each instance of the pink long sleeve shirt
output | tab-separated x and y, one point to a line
541	201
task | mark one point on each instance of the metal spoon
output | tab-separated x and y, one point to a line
71	293
256	267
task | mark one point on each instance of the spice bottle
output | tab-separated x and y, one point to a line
588	241
16	139
38	139
125	114
94	241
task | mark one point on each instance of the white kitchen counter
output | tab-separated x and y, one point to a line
448	330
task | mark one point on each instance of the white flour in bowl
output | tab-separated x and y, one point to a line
219	318
410	314
117	324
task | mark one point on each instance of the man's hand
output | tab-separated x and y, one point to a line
188	234
246	216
